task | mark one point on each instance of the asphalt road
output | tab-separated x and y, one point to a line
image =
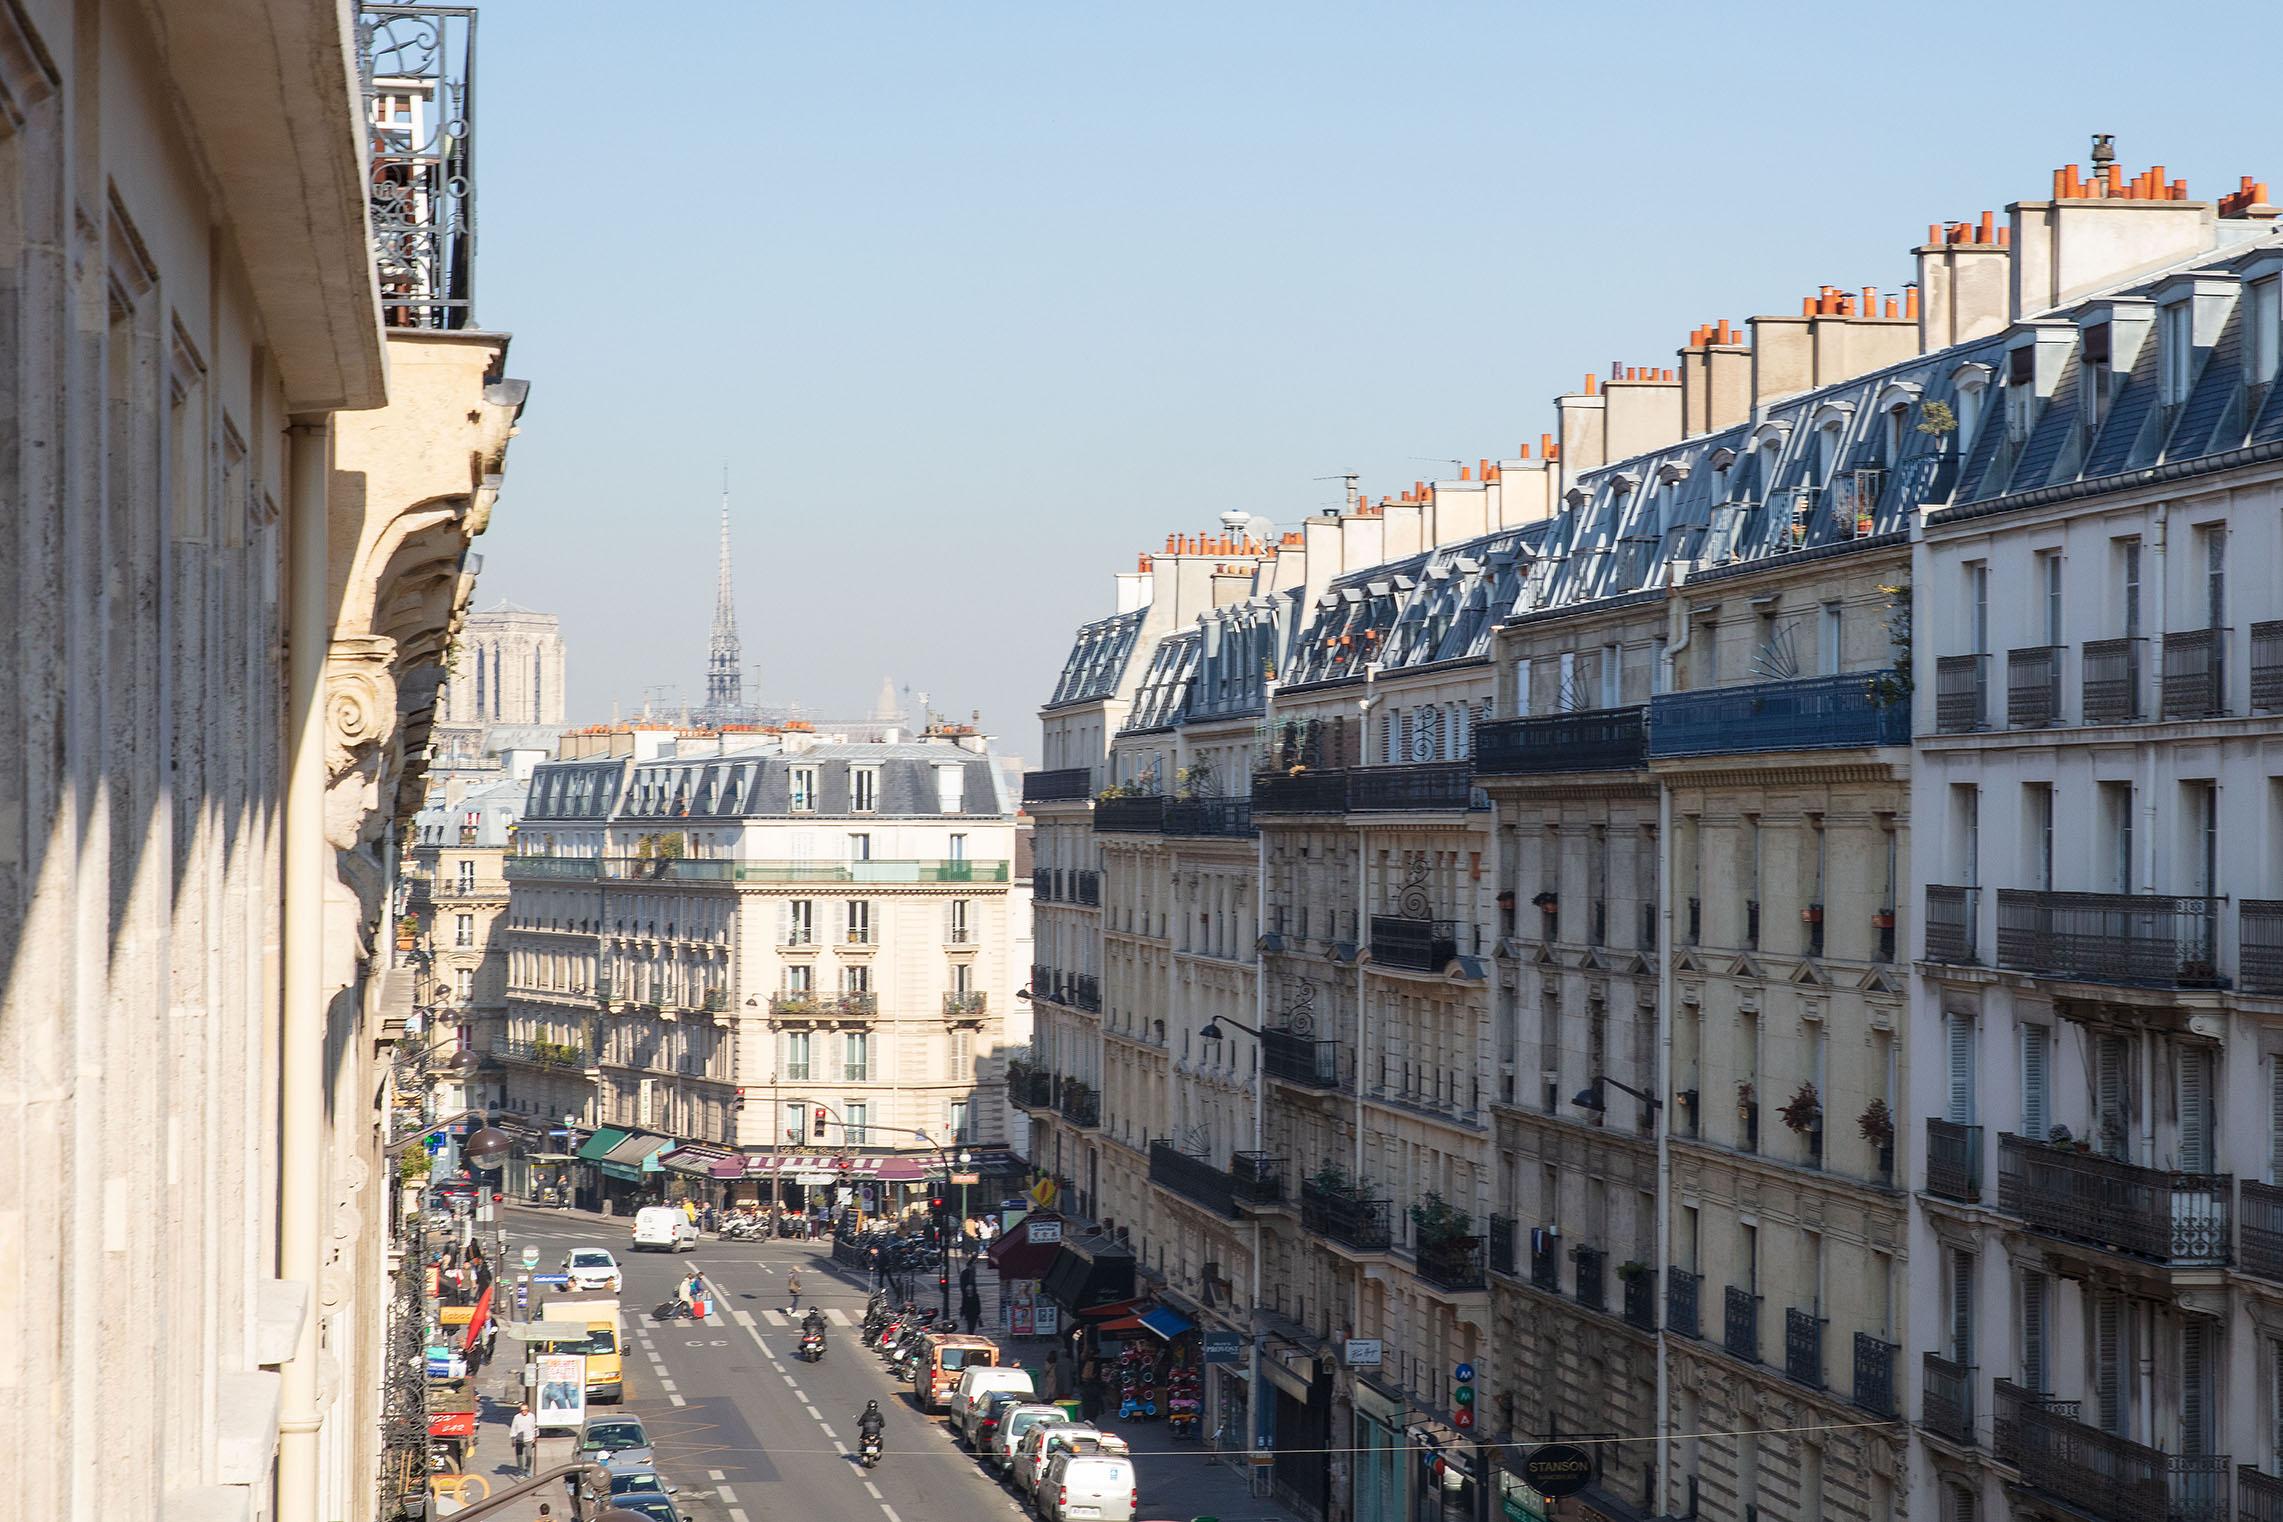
745	1429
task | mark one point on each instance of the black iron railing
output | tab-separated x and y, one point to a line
1069	784
1078	1104
1953	1161
2111	681
2101	1475
1740	1324
2195	684
1811	713
1454	1263
417	65
1298	1060
1437	786
2033	687
2167	940
1084	885
1227	817
1598	740
2259	950
1961	694
2260	1248
1420	945
1640	1296
1874	1386
1193	1178
2177	1219
1030	1088
1592	1278
1803	1347
1082	990
1502	1237
1305	792
2259	1496
547	1054
1946	1399
1683	1290
1953	915
1546	1261
1256	1178
1139	814
1364	1225
2267	667
966	1004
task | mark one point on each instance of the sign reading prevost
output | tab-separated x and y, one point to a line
1362	1352
1224	1347
1558	1469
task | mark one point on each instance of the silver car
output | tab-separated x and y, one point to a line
1014	1421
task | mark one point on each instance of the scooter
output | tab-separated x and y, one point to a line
868	1451
812	1347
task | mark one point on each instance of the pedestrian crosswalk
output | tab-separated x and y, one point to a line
833	1316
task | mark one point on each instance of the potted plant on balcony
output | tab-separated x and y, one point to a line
1747	1101
1436	1222
407	933
1548	902
1333	1179
1803	1112
1877	1124
1882	919
1631	1269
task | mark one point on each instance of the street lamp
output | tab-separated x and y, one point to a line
1211	1029
1589	1097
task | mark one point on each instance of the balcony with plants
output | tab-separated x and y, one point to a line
1078	1104
1445	1251
1345	1214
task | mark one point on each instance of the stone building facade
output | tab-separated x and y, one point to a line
507	668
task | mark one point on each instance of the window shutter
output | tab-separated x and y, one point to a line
2036	1083
2275	1135
2112	1108
2195	1394
1962	1306
1961	1034
2035	1376
2195	1081
2108	1361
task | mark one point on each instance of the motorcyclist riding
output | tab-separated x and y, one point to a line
814	1322
869	1424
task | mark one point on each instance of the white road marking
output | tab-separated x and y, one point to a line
828	1432
889	1512
677	1400
716	1474
727	1495
873	1491
837	1316
735	1515
665	1383
742	1318
814	1414
840	1447
777	1318
796	1384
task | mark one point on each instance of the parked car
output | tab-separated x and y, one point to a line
633	1482
617	1442
1014	1422
1041	1444
976	1381
593	1268
1089	1487
649	1506
664	1228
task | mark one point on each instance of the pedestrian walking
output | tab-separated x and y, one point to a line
523	1431
971	1309
793	1288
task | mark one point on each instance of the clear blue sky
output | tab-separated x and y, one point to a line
977	301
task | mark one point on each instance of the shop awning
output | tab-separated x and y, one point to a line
1090	1271
1016	1256
599	1144
631	1158
857	1168
699	1159
1167	1322
1117	1326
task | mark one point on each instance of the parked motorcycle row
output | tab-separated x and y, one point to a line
896	1335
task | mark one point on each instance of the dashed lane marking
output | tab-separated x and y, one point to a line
717	1474
677	1400
728	1496
735	1515
889	1512
792	1382
666	1385
873	1491
828	1432
814	1415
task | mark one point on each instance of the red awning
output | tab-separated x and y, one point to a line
1118	1326
1016	1256
1113	1309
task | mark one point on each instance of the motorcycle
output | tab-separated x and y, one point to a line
812	1347
868	1450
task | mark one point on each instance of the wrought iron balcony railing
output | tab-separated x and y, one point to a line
723	870
1640	1297
1953	1161
1961	694
2195	676
2033	687
1256	1178
1069	784
417	66
2267	667
1592	1272
815	1004
2110	686
552	869
2259	1496
2259	948
1953	916
1433	786
966	1005
1084	885
2164	940
1419	945
1455	1263
1225	817
1297	1060
1030	1088
1139	814
2260	1249
1803	1347
1740	1324
1193	1178
1597	740
2103	1476
548	1054
1364	1225
1502	1240
1082	990
1303	792
1874	1386
1683	1290
2179	1220
1078	1104
1546	1262
1811	713
1946	1399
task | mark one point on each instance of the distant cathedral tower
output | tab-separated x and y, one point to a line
725	683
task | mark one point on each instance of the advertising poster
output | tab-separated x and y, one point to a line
562	1389
1047	1317
1022	1308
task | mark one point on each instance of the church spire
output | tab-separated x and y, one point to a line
725	695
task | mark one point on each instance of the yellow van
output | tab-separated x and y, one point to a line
591	1326
936	1367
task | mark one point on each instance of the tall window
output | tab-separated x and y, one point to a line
955	928
800	922
2203	811
2261	317
464	984
2036	1082
2175	352
1831	629
2128	586
960	1110
463	930
2049	594
859	846
859	922
856	1056
803	789
855	1114
797	1063
863	789
2037	822
1978	607
955	845
1958	1040
2214	539
856	978
467	877
800	978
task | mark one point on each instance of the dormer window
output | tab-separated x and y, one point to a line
2262	315
1972	384
2093	375
2021	390
2175	352
1894	426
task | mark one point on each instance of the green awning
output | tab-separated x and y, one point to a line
599	1143
622	1171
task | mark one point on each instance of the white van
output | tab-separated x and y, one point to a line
1089	1487
975	1382
666	1228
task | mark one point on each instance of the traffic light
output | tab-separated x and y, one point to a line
820	1122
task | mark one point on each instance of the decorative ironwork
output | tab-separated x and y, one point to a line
1592	1278
1454	1263
1363	1225
1946	1400
1294	1059
960	1006
1961	694
2033	687
1413	941
1256	1178
417	64
1393	789
2101	1475
2267	666
1874	1386
1683	1291
404	1381
1300	1007
2195	685
1138	815
2259	1496
2259	949
1546	1261
2177	1219
1803	1347
1077	1103
1416	899
1224	817
1813	713
1597	740
1952	915
1069	784
2111	681
1640	1298
1502	1235
1953	1161
2261	1244
2154	938
1191	1177
1740	1327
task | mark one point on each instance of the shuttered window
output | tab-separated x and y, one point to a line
1961	1306
1958	1503
2195	1094
2275	1127
2196	1349
2112	1097
2109	1362
2036	1082
2036	1301
1959	1029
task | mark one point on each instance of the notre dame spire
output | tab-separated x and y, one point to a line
725	684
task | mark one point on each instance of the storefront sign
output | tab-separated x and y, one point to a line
1044	1233
1049	1322
1361	1352
814	1178
562	1389
1558	1469
966	1178
1224	1347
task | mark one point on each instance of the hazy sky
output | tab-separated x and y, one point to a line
978	300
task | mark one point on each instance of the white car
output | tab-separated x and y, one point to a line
593	1268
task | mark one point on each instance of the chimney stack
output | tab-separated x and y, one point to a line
2096	231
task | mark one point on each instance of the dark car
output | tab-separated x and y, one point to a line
655	1507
